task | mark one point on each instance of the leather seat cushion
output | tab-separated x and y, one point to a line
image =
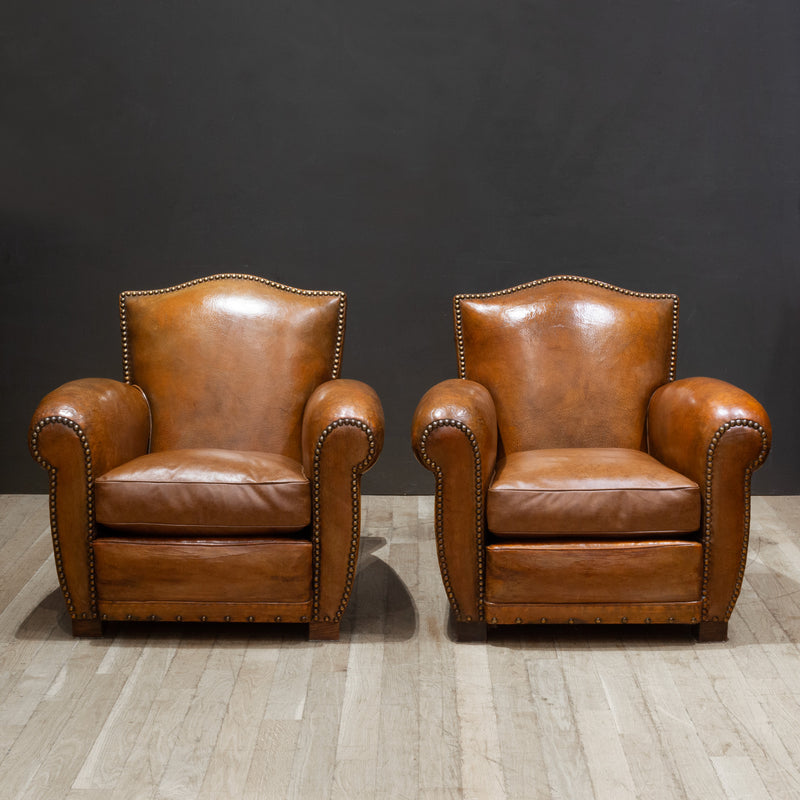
205	491
596	491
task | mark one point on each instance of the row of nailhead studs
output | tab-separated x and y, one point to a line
708	518
203	618
439	525
462	359
572	621
356	506
337	359
52	472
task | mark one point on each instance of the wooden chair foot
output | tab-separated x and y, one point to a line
711	631
471	631
87	628
323	630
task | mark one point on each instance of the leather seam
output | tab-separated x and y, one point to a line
495	490
250	543
133	525
125	481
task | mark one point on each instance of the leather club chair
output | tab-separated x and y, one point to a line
576	480
221	481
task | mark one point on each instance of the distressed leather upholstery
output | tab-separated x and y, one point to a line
576	479
571	491
206	491
221	480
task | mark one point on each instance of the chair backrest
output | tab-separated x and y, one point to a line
229	361
570	362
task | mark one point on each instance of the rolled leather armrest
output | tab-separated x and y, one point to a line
342	437
717	435
454	435
113	417
79	431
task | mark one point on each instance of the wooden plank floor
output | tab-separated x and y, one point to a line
396	709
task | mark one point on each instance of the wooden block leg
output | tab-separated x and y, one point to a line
470	631
90	628
323	630
711	631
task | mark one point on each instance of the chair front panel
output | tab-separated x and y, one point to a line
569	362
230	361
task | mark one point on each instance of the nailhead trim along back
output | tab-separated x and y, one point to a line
337	359
462	360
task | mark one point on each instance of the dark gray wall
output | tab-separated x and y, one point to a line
402	151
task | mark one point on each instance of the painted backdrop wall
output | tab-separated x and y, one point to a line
401	151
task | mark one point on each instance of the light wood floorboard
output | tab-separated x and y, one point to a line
396	708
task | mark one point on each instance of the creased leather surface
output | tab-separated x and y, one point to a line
229	570
593	490
594	572
205	491
568	364
230	363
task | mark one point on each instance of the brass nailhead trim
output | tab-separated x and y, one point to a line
462	359
90	528
340	325
708	515
431	465
355	488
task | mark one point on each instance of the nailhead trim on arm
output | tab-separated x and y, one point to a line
708	515
337	359
439	517
355	485
53	474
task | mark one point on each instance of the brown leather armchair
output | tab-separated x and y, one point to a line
576	480
221	480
